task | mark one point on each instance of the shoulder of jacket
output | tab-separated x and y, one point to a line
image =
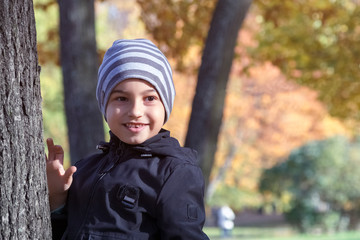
182	159
89	159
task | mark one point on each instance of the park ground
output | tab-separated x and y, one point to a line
256	226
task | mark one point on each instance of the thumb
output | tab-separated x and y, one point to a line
68	175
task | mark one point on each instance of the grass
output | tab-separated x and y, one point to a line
277	233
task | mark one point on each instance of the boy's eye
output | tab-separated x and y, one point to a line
121	99
151	98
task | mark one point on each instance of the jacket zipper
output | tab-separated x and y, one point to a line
89	203
102	175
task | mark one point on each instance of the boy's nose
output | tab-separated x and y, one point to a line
136	109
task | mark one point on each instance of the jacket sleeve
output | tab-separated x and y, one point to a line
58	223
180	205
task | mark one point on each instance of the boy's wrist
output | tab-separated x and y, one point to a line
57	201
58	210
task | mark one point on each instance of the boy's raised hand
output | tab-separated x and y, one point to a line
59	180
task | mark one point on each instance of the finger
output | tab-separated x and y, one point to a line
50	145
49	141
59	154
68	174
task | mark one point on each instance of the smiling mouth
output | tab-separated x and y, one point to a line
135	125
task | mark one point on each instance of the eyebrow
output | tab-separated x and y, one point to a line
144	92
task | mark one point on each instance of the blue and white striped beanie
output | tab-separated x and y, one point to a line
138	58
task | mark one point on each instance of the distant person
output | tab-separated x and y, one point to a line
143	185
225	221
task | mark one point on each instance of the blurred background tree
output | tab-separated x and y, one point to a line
178	26
319	182
79	62
208	103
315	44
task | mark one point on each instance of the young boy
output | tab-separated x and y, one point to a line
143	185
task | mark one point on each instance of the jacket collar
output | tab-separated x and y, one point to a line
159	145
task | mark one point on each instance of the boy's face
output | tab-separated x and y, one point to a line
135	112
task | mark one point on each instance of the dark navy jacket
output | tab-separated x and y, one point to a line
149	191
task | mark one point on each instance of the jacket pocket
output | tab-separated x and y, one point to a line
124	204
128	196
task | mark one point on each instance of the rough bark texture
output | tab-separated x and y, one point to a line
79	62
24	208
208	103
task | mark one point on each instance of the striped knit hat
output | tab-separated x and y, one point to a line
138	58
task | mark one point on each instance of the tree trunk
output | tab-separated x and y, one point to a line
208	103
24	208
79	62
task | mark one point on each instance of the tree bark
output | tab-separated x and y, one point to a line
24	208
79	62
208	104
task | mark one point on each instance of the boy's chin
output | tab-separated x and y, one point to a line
134	140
